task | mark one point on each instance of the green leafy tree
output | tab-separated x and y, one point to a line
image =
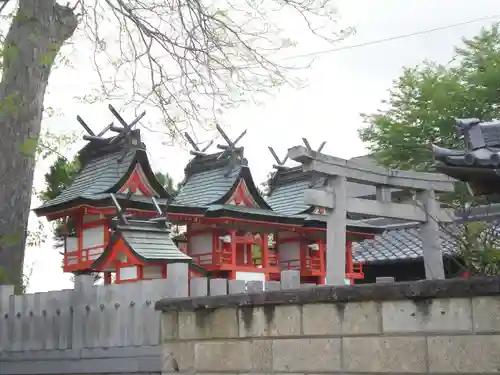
167	181
425	101
422	108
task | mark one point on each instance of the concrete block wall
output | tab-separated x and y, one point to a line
427	327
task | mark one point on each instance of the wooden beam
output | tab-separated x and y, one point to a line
331	166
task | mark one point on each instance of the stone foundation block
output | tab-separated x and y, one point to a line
346	319
169	326
439	315
178	357
384	354
219	323
269	321
470	354
486	314
285	320
232	356
254	321
306	355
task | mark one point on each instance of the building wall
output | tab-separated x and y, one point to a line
201	244
289	250
436	335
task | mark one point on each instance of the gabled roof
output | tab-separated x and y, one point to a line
149	242
207	180
212	180
478	163
104	170
286	190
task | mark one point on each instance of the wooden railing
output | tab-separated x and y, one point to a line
309	263
213	258
356	271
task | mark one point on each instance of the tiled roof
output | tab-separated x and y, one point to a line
205	187
288	199
152	243
398	244
479	163
97	177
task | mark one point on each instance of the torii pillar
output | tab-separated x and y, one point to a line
424	209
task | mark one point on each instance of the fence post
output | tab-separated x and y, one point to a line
290	279
6	291
81	298
177	280
199	287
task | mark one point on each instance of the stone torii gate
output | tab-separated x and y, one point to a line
333	196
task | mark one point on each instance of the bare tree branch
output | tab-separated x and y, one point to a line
193	59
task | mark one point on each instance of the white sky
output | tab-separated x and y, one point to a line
341	85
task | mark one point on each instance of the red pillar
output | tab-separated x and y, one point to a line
348	256
322	258
265	250
233	247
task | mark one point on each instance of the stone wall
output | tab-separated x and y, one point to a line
427	327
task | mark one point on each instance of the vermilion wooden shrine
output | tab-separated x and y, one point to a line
115	173
118	215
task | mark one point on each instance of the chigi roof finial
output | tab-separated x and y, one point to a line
280	164
196	151
97	141
230	149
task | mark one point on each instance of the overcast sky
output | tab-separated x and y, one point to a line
341	85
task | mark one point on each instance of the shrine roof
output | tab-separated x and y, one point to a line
212	179
286	190
287	186
103	172
207	180
152	244
478	163
149	241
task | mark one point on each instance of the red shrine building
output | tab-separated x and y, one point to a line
111	211
233	232
118	216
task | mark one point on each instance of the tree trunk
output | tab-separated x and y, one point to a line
37	32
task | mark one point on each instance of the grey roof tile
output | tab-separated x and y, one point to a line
398	244
96	177
152	244
205	187
288	199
